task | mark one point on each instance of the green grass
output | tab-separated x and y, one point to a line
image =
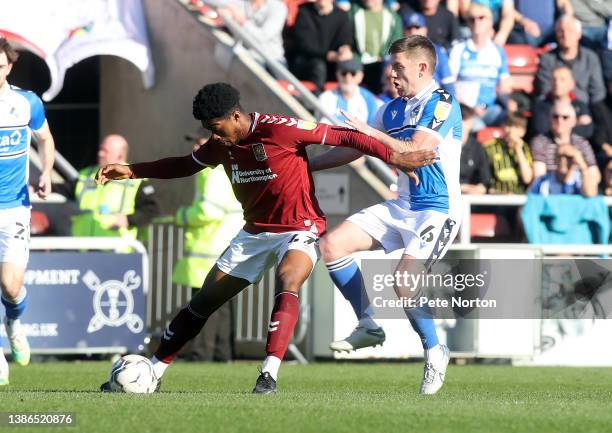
334	397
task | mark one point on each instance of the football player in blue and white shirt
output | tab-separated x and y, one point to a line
21	116
423	220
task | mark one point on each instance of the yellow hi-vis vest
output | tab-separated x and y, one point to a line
100	204
211	222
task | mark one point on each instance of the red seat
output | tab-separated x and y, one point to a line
291	88
488	225
39	223
523	83
292	11
487	134
330	85
522	59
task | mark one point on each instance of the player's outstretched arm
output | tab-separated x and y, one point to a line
167	168
336	157
420	140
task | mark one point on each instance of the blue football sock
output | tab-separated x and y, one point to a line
347	277
422	322
15	308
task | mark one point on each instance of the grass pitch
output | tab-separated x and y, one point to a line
334	397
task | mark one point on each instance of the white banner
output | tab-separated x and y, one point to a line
64	32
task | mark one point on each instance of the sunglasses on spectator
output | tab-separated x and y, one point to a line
414	27
345	73
473	19
558	116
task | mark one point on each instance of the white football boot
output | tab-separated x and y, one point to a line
20	348
4	369
436	361
360	337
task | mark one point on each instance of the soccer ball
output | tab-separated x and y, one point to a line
133	374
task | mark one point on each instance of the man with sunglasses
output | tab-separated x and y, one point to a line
563	150
482	77
349	95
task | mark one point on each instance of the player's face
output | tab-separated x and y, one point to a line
227	130
408	73
5	68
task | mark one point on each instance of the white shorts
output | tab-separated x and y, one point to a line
250	255
15	235
425	234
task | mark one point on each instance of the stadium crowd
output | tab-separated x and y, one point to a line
544	130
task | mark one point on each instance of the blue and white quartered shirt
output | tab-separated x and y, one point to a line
477	73
21	112
436	112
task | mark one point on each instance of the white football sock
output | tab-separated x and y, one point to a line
433	354
271	365
159	367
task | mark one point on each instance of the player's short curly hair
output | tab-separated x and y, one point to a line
214	101
11	54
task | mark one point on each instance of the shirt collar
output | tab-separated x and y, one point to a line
4	91
426	90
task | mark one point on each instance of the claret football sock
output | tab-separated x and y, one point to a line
282	323
185	325
15	307
347	277
423	323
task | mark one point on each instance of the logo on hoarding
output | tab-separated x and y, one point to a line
113	302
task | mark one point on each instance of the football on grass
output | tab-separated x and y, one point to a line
133	374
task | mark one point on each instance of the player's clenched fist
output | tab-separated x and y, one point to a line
113	172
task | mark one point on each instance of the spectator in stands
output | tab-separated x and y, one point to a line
322	35
113	209
376	26
479	65
502	14
563	85
349	95
534	21
608	179
584	63
564	161
414	24
474	171
594	17
389	91
510	158
443	26
264	21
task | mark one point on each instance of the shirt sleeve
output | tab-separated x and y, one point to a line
503	71
377	121
538	148
585	148
439	115
205	156
37	112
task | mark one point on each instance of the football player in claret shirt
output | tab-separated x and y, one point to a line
265	158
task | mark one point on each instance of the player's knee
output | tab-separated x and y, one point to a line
330	246
11	286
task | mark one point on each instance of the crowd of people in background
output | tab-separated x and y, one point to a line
565	123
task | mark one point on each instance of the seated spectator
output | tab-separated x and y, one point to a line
534	21
584	63
594	17
321	36
571	176
264	20
571	152
389	91
482	78
474	171
510	158
563	85
376	26
414	24
502	14
608	179
349	95
443	26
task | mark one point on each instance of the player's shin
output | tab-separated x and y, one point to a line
16	306
282	323
346	275
185	326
